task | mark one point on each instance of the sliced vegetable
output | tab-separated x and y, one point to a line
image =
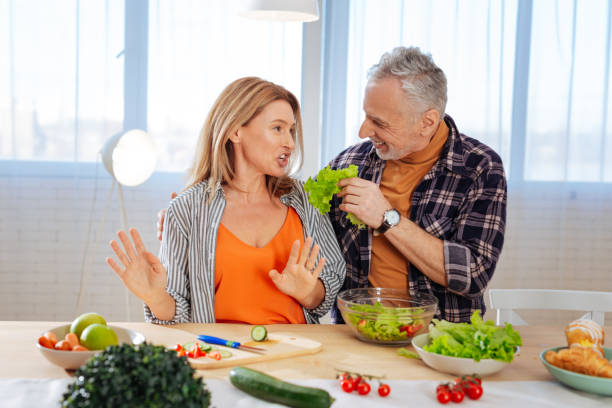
259	333
268	388
404	352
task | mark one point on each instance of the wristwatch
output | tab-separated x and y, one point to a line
390	219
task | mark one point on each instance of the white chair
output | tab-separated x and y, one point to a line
506	300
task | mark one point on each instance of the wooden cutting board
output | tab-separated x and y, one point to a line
277	346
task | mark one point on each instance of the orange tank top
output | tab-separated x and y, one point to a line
244	293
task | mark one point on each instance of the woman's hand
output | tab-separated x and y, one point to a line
300	278
143	274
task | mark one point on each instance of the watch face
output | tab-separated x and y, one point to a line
392	217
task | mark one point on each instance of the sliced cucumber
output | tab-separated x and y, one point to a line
259	333
224	353
269	388
203	346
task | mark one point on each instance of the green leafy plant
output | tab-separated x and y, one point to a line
478	339
321	191
136	376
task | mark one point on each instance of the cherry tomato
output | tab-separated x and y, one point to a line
355	381
384	390
444	396
456	395
343	376
190	354
347	386
63	345
474	391
363	388
442	387
52	338
45	342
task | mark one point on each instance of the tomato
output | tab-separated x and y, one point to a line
347	386
63	345
343	376
196	351
52	338
182	352
355	381
456	395
189	354
215	354
178	347
444	396
45	342
411	329
363	388
384	390
474	391
442	387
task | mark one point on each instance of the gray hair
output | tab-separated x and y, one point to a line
422	80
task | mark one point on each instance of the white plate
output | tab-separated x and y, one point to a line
71	360
455	365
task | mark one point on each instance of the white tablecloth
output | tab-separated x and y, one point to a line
47	393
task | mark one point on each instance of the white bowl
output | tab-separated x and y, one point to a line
455	365
71	360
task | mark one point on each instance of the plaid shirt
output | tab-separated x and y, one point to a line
461	200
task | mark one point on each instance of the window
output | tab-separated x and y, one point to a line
196	49
567	130
61	87
62	90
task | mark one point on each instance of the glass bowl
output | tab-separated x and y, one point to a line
386	316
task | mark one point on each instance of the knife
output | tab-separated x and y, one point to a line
229	343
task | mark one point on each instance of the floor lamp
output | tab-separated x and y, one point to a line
130	158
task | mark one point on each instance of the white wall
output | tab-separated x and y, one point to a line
554	239
44	223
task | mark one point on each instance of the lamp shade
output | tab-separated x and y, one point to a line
282	10
130	157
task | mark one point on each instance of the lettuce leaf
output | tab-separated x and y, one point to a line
321	190
477	340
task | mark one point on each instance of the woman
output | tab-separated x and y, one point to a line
233	248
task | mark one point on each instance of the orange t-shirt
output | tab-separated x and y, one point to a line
389	268
244	293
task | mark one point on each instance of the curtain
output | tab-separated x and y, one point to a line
62	95
532	80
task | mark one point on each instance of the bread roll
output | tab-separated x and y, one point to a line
586	334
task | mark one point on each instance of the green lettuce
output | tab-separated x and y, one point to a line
321	191
381	323
477	340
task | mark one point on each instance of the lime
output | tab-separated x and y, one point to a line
80	323
98	337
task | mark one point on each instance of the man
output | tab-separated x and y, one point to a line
434	199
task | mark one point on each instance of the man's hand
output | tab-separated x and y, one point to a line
160	218
300	278
364	199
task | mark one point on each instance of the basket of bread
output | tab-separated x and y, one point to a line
584	363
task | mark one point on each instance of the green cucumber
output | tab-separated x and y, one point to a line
268	388
259	333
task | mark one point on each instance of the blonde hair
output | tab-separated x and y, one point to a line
236	106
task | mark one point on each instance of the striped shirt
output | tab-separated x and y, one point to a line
189	244
461	200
